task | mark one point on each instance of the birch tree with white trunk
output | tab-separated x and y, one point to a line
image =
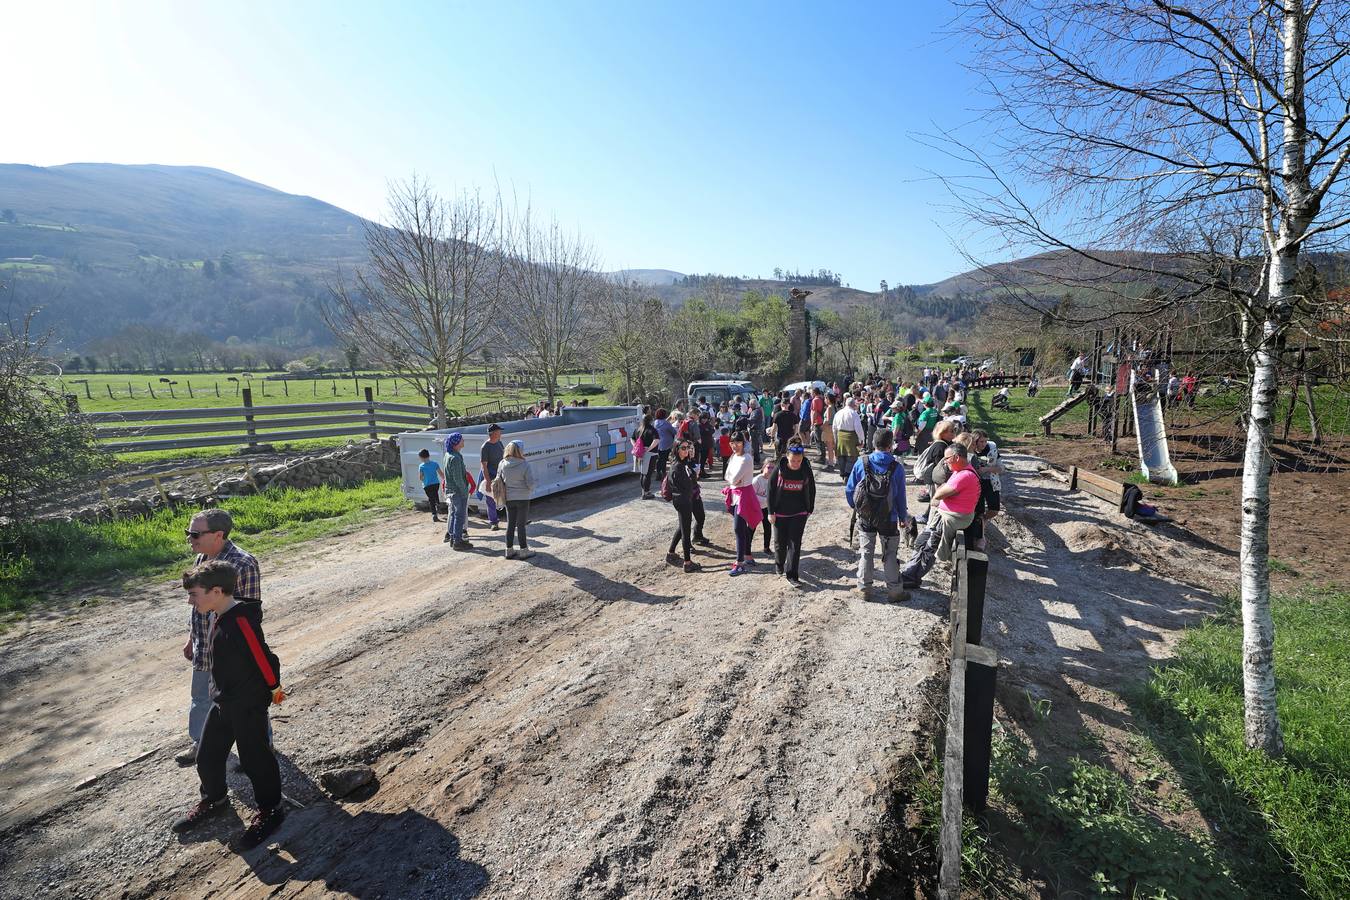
1122	116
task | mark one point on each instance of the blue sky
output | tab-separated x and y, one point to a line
701	137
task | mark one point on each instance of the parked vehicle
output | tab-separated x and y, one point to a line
584	444
803	386
719	391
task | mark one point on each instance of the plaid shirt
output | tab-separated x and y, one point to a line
248	588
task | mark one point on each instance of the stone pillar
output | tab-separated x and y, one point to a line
798	334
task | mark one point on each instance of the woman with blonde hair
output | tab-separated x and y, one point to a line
514	472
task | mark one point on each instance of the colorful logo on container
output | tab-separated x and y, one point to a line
612	454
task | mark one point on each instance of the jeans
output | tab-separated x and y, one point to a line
200	705
243	726
890	547
458	520
491	506
788	544
517	515
934	542
662	459
685	530
743	535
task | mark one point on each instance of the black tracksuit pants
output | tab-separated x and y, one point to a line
684	532
243	726
787	532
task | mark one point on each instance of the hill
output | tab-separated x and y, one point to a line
102	246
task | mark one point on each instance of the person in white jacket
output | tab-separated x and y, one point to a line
745	506
849	436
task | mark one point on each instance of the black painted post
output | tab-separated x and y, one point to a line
979	733
977	573
248	418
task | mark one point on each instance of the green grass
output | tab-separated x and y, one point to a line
1277	828
39	561
1290	813
133	392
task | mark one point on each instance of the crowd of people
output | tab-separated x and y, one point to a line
861	433
757	447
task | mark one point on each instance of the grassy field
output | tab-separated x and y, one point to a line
118	393
46	559
1277	827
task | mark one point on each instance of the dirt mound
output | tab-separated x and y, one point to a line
1108	548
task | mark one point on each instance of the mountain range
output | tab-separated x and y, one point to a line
100	247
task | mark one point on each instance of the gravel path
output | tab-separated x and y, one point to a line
586	723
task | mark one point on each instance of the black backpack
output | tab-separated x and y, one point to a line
872	496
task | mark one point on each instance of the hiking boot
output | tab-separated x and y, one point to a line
188	757
205	809
511	554
673	559
691	566
263	824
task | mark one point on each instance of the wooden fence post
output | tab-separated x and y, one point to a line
286	387
171	393
152	390
370	414
191	396
248	418
110	393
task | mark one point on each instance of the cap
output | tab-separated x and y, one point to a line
494	427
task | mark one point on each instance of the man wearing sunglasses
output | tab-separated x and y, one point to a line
209	535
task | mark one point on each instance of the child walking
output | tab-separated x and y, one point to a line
430	470
761	485
245	680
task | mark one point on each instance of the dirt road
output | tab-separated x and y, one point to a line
587	723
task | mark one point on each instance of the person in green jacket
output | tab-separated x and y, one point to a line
456	486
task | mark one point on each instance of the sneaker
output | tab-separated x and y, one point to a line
205	809
524	554
737	570
496	526
910	585
188	757
511	554
702	541
862	589
435	518
923	497
673	559
648	496
446	539
778	570
749	561
462	545
691	566
263	824
794	581
898	594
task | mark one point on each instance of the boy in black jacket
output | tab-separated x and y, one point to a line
245	680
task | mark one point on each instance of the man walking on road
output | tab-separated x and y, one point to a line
209	534
876	491
848	435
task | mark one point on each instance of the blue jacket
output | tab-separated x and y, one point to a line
881	459
665	433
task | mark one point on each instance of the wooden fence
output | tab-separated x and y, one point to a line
123	432
970	714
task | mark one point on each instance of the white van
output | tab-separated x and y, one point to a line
718	392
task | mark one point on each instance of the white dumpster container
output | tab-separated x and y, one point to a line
584	444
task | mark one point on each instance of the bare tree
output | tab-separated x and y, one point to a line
553	286
630	322
423	304
1128	114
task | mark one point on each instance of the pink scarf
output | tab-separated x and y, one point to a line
744	502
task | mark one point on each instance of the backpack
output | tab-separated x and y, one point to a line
666	493
872	496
